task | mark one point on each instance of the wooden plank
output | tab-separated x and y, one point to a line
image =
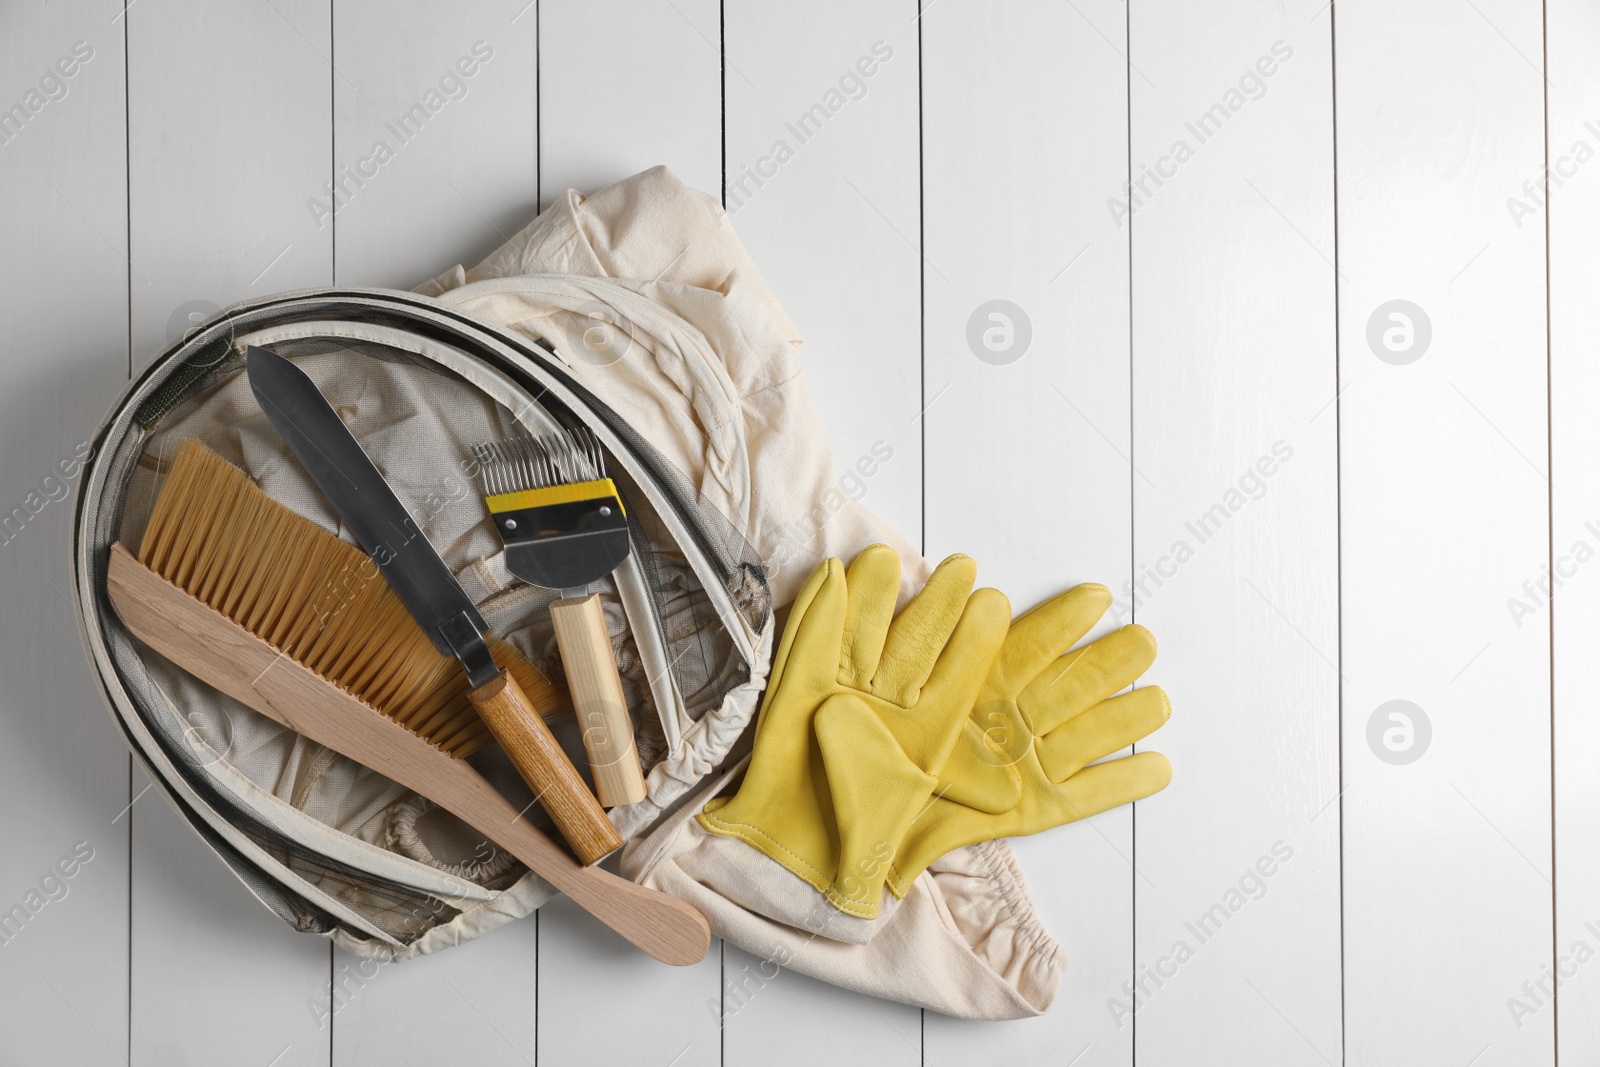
1573	36
834	229
436	136
213	969
654	99
827	202
63	769
473	1003
1028	437
777	1016
229	143
1236	533
462	177
625	85
602	1001
226	144
1445	513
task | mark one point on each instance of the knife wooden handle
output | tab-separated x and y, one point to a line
598	700
555	782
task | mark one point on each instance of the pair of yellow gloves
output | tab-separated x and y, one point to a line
884	742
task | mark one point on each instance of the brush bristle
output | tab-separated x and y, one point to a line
324	603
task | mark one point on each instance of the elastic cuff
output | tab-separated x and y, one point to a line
982	891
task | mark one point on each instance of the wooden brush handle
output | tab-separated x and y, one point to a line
555	782
597	699
224	654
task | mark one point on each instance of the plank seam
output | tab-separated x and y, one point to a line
538	166
1338	502
127	193
922	384
1133	518
538	206
333	279
722	86
1550	531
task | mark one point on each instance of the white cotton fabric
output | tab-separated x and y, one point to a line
650	300
419	423
646	294
965	941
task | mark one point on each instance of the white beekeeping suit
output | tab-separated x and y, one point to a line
647	295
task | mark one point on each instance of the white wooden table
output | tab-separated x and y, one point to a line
1318	508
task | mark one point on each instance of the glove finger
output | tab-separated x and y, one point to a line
921	632
778	808
1045	632
810	645
930	720
874	581
797	613
1107	727
1108	785
942	706
1089	792
1083	678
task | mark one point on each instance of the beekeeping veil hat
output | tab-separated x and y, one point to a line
635	312
330	845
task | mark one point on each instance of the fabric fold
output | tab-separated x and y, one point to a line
965	941
644	291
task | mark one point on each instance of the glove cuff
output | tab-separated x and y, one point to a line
965	942
877	794
765	843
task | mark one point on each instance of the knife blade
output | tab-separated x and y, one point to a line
387	532
378	520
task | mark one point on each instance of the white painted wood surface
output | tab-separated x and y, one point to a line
215	218
226	147
462	178
1235	531
625	85
463	173
1385	557
655	99
1445	508
1028	448
64	776
1573	218
834	229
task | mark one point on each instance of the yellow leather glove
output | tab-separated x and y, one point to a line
860	713
1041	718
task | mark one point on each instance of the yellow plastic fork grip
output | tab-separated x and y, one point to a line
555	494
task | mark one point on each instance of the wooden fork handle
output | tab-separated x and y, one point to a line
598	700
555	782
